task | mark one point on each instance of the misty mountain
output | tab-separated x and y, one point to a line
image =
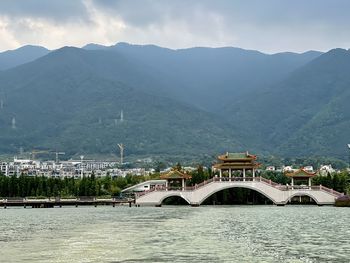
189	75
93	46
25	54
177	102
210	78
308	113
67	100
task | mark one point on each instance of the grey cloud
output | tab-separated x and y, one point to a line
58	11
143	13
252	11
297	20
267	25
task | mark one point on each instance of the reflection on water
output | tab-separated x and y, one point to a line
176	234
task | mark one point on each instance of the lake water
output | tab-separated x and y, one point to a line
176	234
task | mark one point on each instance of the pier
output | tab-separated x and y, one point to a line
60	202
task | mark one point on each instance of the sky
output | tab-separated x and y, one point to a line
266	25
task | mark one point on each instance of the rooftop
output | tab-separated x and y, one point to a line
300	173
236	156
175	174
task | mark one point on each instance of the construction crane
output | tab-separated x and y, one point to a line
121	148
58	153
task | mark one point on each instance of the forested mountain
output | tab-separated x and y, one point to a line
177	102
308	113
68	100
25	54
210	78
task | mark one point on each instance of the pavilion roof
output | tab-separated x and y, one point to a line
238	165
237	156
300	173
175	174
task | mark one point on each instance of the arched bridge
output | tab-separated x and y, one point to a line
278	194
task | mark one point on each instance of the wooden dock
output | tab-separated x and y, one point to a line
59	202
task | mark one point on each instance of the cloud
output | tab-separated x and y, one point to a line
7	39
58	11
270	25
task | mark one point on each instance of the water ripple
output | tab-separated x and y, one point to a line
176	234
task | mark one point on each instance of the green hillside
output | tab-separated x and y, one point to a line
305	114
210	78
62	101
177	102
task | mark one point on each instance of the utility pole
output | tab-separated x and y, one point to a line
121	116
121	148
21	151
349	158
13	123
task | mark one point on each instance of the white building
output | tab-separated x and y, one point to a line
287	169
71	168
4	168
270	168
309	168
326	169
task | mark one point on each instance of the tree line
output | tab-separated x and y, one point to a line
29	186
40	186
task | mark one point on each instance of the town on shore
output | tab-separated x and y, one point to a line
101	168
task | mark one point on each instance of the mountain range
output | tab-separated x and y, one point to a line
186	102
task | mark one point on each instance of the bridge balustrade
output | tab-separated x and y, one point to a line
329	190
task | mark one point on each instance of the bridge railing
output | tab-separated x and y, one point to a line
139	194
328	190
268	181
301	187
223	179
214	179
205	182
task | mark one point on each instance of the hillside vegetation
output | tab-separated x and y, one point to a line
176	102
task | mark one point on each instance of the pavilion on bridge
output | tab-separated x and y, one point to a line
175	179
300	177
232	162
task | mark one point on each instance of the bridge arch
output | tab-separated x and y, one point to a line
237	186
179	194
313	197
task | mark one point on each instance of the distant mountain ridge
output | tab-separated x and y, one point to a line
25	54
221	74
178	102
